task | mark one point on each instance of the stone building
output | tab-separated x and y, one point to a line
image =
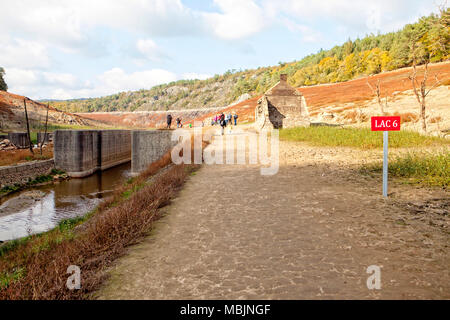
281	106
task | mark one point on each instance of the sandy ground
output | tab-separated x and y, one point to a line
308	232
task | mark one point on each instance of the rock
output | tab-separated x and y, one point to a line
327	116
243	97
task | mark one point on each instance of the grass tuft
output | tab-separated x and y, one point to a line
418	168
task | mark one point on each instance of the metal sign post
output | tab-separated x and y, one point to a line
385	162
385	124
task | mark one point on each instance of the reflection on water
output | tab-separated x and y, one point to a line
68	199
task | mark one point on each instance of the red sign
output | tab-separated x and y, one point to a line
385	123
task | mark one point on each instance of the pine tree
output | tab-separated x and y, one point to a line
3	85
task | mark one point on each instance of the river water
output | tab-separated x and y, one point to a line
41	208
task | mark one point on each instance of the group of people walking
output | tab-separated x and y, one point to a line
220	119
224	120
169	121
228	119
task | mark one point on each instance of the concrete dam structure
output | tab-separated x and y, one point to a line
82	152
19	139
149	146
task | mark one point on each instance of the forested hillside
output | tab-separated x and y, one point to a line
427	40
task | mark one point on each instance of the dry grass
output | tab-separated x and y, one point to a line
341	109
436	119
35	267
428	169
12	157
45	260
351	115
355	116
406	117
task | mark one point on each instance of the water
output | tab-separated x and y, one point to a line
42	208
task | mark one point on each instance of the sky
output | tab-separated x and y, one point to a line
64	49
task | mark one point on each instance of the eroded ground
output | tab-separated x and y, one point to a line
308	232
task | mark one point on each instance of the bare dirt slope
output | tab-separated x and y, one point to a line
353	102
12	115
308	232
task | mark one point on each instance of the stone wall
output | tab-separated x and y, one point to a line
82	152
24	172
288	111
149	146
281	107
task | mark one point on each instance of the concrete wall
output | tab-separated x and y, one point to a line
149	146
115	148
24	172
19	139
82	152
48	138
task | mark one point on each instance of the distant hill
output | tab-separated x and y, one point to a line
60	100
373	54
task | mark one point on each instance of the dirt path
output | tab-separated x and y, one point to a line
308	232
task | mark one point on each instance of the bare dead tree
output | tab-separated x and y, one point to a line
377	92
420	88
45	130
28	126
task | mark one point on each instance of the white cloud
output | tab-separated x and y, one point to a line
240	19
18	53
20	77
49	21
38	35
117	79
358	16
39	85
66	80
72	24
150	50
308	33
